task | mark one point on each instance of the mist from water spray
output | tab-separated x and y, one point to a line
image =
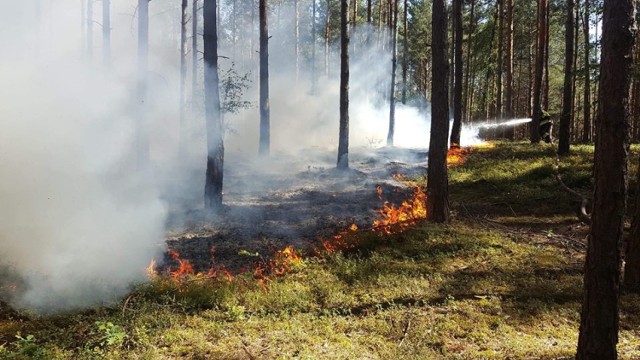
512	122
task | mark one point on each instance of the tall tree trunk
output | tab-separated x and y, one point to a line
509	131
313	48
576	33
369	12
106	33
437	178
452	56
500	59
142	136
265	113
484	103
632	254
405	51
215	142
327	31
468	89
545	87
394	63
183	77
194	55
354	21
599	318
457	86
530	72
343	138
539	69
567	98
586	130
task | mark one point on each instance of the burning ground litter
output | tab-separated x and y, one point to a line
315	210
302	209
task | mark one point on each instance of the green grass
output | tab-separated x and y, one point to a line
466	290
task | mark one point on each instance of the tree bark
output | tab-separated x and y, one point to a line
194	55
265	115
576	33
327	30
394	64
437	178
545	87
586	130
369	12
142	136
106	33
509	132
343	138
539	70
457	85
599	318
468	96
632	253
183	77
500	59
405	51
313	48
567	98
215	143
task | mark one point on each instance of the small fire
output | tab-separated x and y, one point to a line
285	261
394	218
184	266
150	270
457	156
342	241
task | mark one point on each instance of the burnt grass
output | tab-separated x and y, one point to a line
269	207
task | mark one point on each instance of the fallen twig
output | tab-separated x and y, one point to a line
405	332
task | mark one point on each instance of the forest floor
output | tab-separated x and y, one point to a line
503	280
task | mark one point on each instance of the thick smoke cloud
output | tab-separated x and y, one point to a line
78	220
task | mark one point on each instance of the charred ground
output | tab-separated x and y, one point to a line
277	202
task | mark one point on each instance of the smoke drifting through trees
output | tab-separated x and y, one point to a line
80	221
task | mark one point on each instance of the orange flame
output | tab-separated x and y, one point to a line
408	213
150	270
457	155
184	266
285	261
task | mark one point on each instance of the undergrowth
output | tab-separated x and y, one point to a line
464	290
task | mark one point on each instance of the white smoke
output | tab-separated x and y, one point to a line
78	221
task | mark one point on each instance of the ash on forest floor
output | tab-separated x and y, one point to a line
269	206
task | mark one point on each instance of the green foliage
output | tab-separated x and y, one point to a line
110	334
232	88
28	346
465	290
